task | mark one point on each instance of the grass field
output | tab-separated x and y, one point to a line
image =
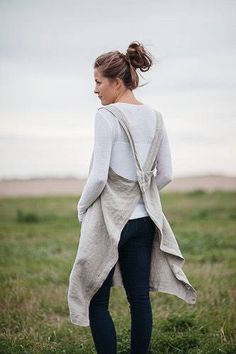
39	238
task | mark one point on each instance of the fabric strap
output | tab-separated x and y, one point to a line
144	174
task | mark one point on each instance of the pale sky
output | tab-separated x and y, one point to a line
47	104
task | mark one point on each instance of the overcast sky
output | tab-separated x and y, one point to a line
47	104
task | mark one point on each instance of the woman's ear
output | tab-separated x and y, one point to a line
117	83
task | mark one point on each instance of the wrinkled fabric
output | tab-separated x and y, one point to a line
101	228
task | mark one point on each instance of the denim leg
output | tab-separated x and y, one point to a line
135	259
101	323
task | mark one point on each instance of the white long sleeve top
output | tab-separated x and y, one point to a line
112	148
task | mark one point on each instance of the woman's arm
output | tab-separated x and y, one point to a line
99	165
164	162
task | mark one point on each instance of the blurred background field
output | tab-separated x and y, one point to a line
39	239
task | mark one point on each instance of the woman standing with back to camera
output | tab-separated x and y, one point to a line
125	238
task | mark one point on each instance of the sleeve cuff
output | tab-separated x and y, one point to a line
81	216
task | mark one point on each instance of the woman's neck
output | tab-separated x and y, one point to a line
127	97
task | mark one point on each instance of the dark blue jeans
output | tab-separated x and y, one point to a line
134	248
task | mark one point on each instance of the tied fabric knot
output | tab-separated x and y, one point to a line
144	178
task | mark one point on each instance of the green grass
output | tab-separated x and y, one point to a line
39	239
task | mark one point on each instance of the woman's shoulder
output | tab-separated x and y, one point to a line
104	119
131	111
127	107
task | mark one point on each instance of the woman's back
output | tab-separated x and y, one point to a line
112	149
142	123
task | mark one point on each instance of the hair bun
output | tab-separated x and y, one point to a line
139	57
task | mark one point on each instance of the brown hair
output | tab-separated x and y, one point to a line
116	64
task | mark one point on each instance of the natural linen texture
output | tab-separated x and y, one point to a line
102	225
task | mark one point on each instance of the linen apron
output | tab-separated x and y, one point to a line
102	225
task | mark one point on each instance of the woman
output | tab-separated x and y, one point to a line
124	231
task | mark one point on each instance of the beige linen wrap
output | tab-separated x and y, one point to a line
102	225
